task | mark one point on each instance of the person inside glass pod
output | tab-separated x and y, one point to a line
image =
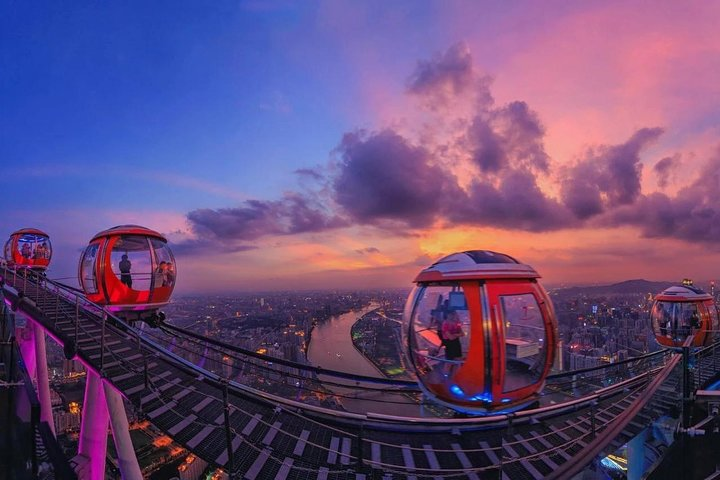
684	313
131	270
28	248
481	332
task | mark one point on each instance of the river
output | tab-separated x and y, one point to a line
331	347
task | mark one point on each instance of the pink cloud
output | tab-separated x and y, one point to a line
596	71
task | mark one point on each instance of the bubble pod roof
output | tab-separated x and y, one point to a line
29	248
130	269
129	230
683	293
475	264
29	232
480	332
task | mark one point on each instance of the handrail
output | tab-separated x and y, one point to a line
569	469
319	370
410	385
570	373
245	390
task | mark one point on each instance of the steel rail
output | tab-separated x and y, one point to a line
569	469
368	419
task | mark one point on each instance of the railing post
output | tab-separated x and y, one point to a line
25	281
3	319
77	319
57	304
686	387
228	432
11	367
500	457
145	373
102	344
147	384
360	454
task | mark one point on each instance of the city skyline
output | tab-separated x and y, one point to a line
347	145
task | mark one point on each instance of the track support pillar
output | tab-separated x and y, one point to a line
127	460
94	428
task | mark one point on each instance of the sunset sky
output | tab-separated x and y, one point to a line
284	145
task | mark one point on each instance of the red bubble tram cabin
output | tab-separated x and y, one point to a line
28	248
130	270
682	312
481	332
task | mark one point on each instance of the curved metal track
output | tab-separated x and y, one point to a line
273	437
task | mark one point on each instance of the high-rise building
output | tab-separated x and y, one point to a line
559	363
70	367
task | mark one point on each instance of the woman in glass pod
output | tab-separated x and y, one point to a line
498	348
684	315
28	248
123	268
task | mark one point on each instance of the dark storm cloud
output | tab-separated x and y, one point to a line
294	213
664	168
383	177
608	177
447	73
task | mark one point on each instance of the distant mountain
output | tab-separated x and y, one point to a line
628	286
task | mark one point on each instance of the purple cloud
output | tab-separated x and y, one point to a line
608	177
363	251
447	74
386	180
294	213
509	136
206	246
515	203
664	168
310	173
383	177
692	215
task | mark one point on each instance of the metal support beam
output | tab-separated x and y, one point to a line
94	427
26	341
636	456
127	460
